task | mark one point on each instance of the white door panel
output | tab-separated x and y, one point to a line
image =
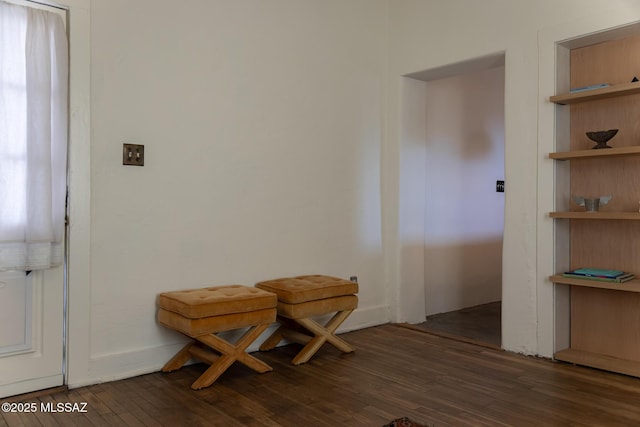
16	308
37	363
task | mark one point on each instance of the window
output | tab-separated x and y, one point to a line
33	137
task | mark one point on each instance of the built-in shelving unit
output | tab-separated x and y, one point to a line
604	317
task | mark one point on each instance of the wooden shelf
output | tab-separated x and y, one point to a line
600	361
600	215
623	89
630	286
596	154
597	322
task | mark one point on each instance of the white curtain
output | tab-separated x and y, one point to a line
33	137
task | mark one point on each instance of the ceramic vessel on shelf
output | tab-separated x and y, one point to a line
601	137
591	204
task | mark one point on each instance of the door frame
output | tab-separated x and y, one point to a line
408	304
78	272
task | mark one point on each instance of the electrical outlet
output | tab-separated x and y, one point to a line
354	279
500	186
133	154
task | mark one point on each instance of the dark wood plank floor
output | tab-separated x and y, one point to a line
481	323
394	372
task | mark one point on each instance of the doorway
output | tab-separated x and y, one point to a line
464	207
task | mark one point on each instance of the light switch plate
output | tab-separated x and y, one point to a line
133	154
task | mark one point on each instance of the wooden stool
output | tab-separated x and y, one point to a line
201	313
301	297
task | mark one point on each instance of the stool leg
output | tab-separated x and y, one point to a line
179	359
273	340
239	349
229	354
213	372
332	326
322	335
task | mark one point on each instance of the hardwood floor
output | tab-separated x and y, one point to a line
481	324
394	372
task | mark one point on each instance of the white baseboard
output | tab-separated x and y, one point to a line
365	318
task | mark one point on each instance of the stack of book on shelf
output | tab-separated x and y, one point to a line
590	87
616	276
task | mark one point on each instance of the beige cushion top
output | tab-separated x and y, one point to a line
216	300
295	290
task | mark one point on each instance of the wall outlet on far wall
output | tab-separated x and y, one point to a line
354	279
500	186
133	154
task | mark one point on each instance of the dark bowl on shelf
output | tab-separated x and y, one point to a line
601	137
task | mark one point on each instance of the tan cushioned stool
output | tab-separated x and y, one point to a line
301	297
201	313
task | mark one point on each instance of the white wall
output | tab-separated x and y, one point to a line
429	35
464	215
262	129
272	134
